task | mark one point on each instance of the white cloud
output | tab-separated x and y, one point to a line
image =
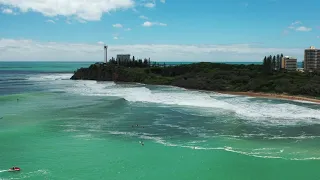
29	50
143	17
100	42
86	10
303	28
297	27
150	5
117	25
7	11
149	24
162	24
295	23
115	38
128	29
50	21
163	1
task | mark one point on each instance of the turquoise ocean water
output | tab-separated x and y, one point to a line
55	128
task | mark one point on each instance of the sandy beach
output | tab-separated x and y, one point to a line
274	96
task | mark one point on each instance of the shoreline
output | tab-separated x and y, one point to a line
272	96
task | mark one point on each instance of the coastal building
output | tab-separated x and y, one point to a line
123	58
289	63
311	59
282	63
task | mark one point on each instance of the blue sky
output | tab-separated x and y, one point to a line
165	30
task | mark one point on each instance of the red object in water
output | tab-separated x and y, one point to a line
14	169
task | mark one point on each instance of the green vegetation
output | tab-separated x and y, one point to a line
271	64
211	76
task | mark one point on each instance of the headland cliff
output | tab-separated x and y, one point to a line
224	78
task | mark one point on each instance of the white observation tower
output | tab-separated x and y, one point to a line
106	54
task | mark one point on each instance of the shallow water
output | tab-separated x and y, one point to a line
55	128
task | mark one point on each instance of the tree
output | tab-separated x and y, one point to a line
278	62
265	64
281	57
113	61
269	64
273	62
133	59
145	62
140	63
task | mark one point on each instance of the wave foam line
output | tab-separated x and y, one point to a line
255	152
50	77
262	112
243	107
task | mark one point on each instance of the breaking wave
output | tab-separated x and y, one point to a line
229	119
262	111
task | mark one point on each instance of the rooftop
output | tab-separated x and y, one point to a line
311	47
123	54
289	57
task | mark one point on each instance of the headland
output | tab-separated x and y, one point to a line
247	80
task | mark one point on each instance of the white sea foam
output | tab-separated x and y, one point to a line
276	113
267	153
306	102
87	137
264	111
297	137
50	77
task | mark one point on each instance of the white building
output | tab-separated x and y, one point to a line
289	63
106	54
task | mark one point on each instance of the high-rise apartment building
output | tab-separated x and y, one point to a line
289	63
123	58
311	59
